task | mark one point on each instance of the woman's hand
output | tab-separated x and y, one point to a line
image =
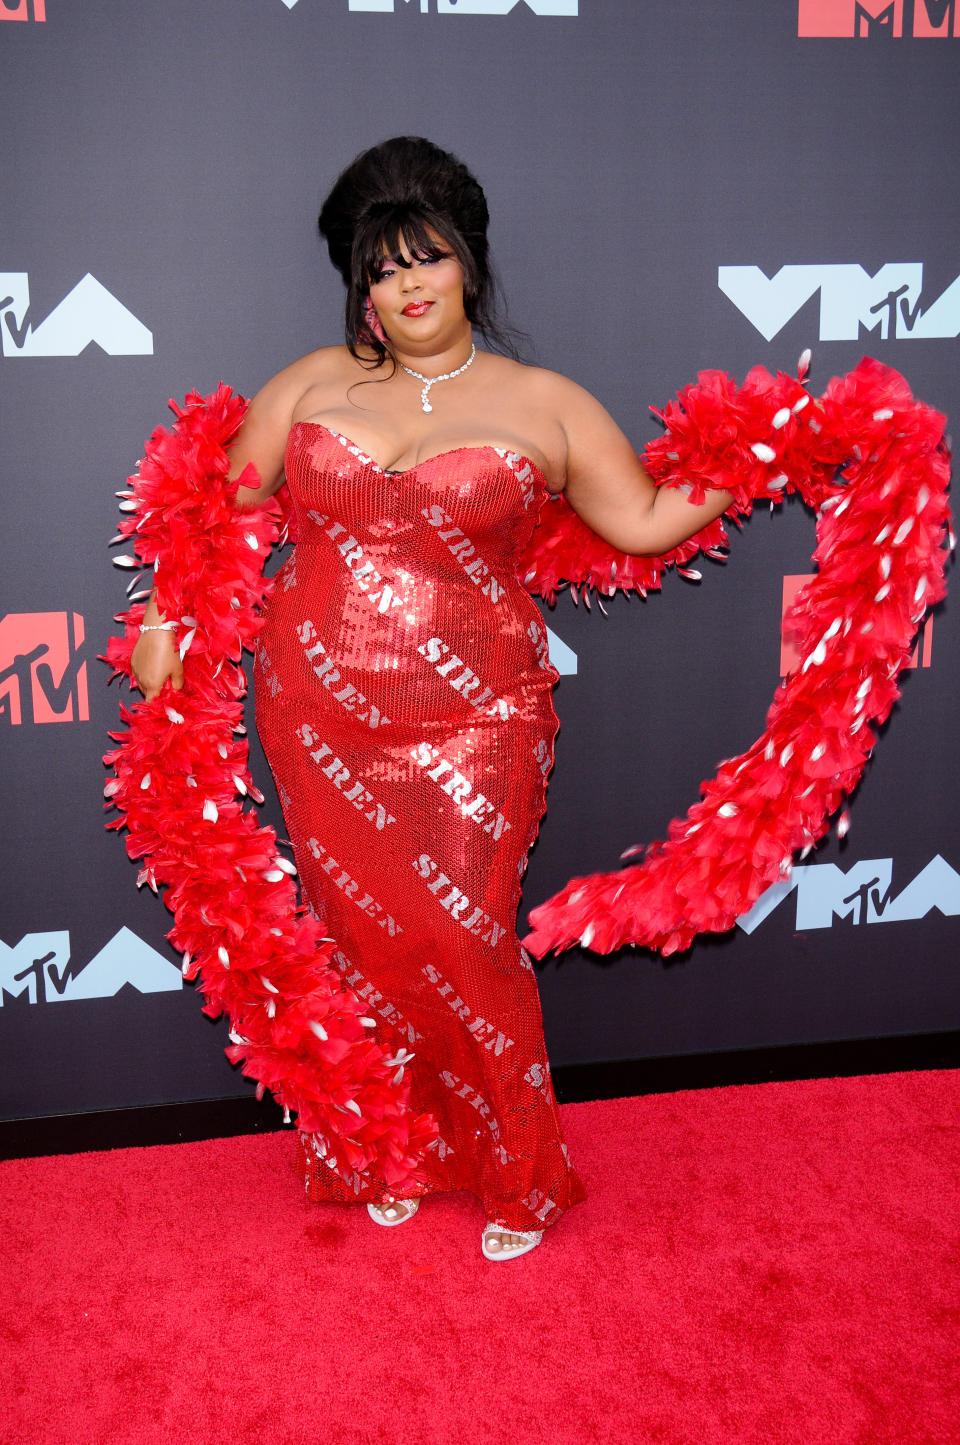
156	657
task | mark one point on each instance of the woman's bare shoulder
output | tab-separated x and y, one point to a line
317	368
273	410
304	387
546	388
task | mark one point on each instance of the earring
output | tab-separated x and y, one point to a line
372	321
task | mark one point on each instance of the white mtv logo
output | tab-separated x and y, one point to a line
850	300
39	966
863	894
88	313
461	7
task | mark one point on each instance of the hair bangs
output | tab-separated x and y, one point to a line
401	232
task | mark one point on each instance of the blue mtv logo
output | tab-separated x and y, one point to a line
460	7
88	313
889	303
863	894
39	967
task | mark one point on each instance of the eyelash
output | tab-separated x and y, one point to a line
424	261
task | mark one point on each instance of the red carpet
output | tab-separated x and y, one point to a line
776	1263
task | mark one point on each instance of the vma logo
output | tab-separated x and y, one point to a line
38	968
852	302
864	19
458	7
862	894
21	10
43	675
88	313
922	654
564	658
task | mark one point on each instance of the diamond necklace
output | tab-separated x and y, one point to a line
429	381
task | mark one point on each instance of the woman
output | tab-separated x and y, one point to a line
403	683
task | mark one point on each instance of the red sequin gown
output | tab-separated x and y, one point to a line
404	703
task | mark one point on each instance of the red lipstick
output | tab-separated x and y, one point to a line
416	308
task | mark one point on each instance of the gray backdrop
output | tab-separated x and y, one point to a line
176	151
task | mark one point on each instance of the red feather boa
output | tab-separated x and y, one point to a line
880	551
178	770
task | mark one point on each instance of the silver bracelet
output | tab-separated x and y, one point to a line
158	626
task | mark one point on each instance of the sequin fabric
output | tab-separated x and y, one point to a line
404	703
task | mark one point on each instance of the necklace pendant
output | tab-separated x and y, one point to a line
432	380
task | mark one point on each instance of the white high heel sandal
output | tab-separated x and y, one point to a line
390	1216
531	1238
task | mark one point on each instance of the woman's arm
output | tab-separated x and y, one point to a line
262	438
610	489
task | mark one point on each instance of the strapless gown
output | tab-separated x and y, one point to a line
403	695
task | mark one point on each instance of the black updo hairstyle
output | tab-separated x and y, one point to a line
395	194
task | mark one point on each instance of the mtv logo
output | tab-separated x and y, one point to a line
87	314
23	968
462	7
936	20
851	300
790	659
864	19
863	894
20	10
849	18
503	7
126	959
39	966
563	657
43	675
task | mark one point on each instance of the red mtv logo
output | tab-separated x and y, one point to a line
789	656
43	676
20	9
936	19
861	19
